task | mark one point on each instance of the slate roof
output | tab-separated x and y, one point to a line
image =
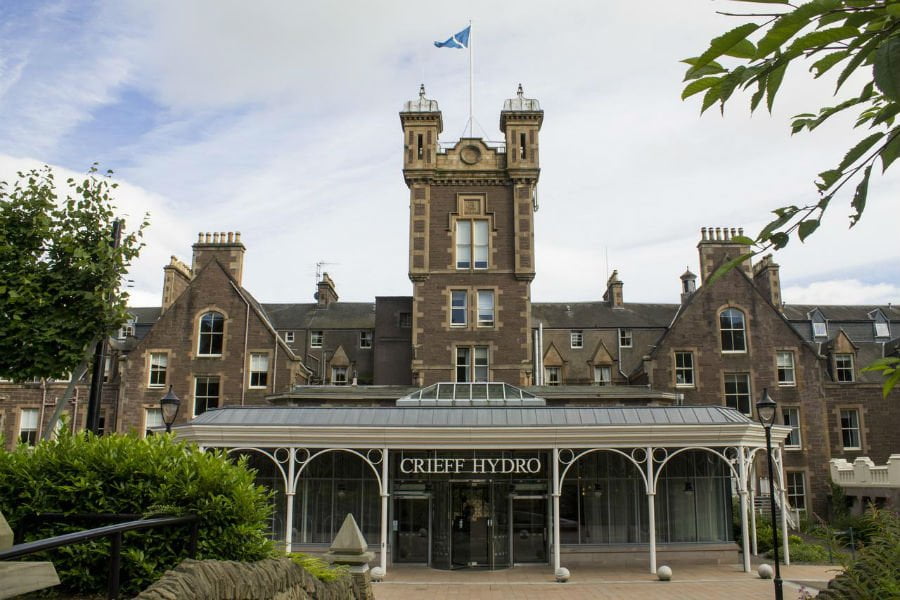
589	315
339	315
854	320
839	312
469	417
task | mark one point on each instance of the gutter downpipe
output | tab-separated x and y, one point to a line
540	353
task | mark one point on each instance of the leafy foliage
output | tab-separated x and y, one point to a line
842	37
83	473
889	367
874	573
60	277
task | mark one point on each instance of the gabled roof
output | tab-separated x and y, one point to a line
338	315
590	315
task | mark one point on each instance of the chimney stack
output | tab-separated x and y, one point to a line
767	279
717	247
226	247
176	278
613	295
326	293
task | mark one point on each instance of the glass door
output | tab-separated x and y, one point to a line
471	524
528	529
413	529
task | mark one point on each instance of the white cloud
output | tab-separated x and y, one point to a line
280	120
842	291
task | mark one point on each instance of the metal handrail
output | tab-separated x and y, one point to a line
114	532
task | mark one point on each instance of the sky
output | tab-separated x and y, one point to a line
279	119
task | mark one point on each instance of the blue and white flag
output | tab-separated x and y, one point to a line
460	40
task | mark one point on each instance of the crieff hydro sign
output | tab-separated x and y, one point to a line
481	466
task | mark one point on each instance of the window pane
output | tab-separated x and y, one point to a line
785	368
481	244
791	418
481	363
458	307
212	328
576	339
625	338
737	391
850	429
486	308
206	394
462	364
731	325
684	369
463	244
882	329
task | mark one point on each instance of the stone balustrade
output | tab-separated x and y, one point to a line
863	472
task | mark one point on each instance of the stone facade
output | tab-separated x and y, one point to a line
470	316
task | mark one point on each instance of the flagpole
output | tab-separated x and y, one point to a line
471	84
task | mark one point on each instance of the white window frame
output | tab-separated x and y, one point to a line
603	375
819	328
289	337
473	363
626	337
850	429
576	338
683	370
787	366
730	331
471	251
212	335
339	376
152	421
218	396
259	369
29	425
737	378
459	307
882	329
155	368
844	368
793	490
552	375
316	338
485	308
365	340
790	416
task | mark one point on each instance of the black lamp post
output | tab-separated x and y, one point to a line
765	411
169	404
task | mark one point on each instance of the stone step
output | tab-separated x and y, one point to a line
20	577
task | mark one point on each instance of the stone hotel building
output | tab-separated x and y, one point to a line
467	425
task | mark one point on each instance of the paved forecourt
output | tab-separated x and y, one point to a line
689	582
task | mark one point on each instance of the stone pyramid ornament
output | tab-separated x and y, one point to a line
349	539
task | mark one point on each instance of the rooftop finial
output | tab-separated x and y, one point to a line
520	93
422	91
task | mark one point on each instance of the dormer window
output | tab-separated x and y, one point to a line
818	325
843	368
882	326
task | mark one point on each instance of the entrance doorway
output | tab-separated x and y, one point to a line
528	534
472	526
413	529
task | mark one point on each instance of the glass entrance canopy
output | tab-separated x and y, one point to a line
471	394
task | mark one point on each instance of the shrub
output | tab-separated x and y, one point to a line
83	473
874	573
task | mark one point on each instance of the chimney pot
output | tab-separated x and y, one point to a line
230	237
703	233
718	234
237	237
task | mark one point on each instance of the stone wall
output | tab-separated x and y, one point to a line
270	579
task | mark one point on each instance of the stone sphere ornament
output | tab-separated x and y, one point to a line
377	573
562	575
664	573
765	571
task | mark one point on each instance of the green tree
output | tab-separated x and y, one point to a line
60	274
857	41
843	37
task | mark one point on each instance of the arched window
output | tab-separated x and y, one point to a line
212	333
733	330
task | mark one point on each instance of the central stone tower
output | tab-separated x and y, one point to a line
471	245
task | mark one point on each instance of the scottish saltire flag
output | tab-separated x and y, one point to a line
460	40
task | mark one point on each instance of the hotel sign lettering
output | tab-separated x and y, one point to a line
427	466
